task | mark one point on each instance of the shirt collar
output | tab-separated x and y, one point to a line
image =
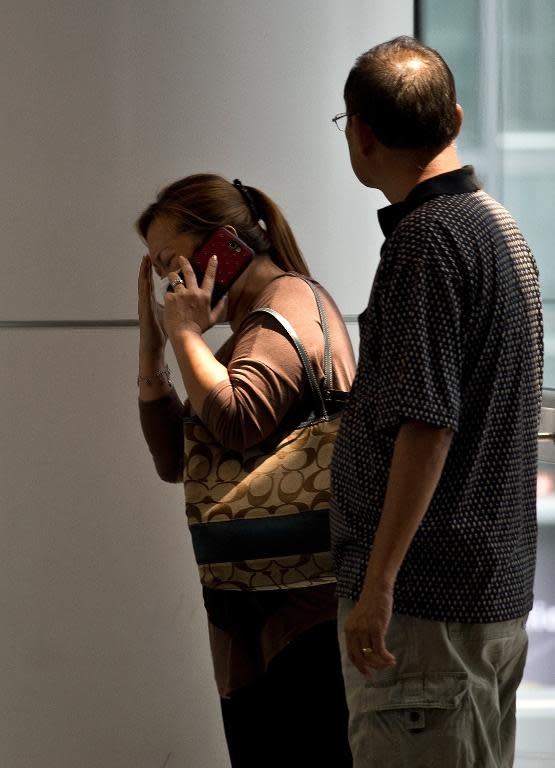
451	183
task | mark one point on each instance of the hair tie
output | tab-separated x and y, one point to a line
248	198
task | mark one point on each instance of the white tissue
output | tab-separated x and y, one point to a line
161	286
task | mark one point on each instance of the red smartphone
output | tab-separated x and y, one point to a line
234	256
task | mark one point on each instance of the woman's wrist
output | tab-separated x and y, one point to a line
147	349
151	349
152	378
183	331
155	387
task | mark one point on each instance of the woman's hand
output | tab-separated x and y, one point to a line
187	307
151	325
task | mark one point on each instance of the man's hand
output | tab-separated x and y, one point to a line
365	629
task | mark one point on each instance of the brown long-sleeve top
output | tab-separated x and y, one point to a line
267	391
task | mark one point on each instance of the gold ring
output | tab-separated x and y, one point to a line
367	651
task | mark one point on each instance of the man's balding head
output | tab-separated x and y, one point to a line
406	93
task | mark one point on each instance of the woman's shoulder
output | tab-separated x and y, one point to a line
293	293
262	338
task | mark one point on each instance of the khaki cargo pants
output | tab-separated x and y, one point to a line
448	703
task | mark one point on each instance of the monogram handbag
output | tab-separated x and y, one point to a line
259	519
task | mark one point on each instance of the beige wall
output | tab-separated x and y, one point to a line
103	650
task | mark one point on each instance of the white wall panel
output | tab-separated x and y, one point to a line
105	102
103	647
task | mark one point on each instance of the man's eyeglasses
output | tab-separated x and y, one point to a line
341	120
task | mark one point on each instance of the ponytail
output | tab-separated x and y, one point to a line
284	250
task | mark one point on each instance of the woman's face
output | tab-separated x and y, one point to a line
166	244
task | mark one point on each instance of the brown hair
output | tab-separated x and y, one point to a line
406	93
203	202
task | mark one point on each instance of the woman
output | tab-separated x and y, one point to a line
275	654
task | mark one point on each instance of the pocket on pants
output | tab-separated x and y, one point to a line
419	721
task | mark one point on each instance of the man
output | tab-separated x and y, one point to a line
434	470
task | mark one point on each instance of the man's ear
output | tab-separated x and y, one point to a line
363	136
231	229
459	116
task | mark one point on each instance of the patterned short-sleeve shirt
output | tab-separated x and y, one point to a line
452	336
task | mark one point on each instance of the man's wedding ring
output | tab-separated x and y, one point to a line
367	651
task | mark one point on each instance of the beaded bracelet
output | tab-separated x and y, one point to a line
164	373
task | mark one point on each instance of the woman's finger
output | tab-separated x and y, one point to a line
188	274
210	275
145	281
175	282
147	292
143	269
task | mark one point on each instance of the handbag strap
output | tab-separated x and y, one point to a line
290	331
299	346
328	366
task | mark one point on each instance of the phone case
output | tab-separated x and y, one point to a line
233	254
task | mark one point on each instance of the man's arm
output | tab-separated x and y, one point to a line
417	463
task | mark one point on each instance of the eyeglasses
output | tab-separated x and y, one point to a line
341	120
